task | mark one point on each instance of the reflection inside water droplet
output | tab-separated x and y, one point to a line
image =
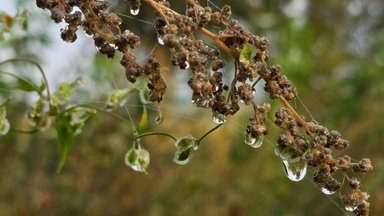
159	119
134	11
160	40
249	139
186	65
254	142
326	191
201	102
350	208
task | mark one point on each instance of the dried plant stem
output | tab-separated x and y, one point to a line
158	7
206	32
296	115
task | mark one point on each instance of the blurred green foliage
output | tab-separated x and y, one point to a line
332	51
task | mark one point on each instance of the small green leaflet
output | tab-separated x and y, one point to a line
247	53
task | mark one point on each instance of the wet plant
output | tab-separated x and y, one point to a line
302	144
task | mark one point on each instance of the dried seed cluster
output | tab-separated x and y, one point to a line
103	26
177	33
256	126
318	154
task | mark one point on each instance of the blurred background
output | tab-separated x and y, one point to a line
333	52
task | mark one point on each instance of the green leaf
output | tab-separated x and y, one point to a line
27	86
185	142
22	83
68	125
143	121
184	155
247	53
42	87
65	135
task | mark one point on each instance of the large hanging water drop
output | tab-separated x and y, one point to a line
134	11
295	169
326	191
219	118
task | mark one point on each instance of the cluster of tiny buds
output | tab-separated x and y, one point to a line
277	84
103	26
256	127
317	151
176	32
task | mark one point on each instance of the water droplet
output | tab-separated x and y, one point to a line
259	142
295	169
254	142
201	102
113	45
134	11
350	208
249	139
4	126
186	65
326	191
219	118
160	40
283	153
159	119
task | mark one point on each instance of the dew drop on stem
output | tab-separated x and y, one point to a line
249	139
326	191
159	119
254	142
